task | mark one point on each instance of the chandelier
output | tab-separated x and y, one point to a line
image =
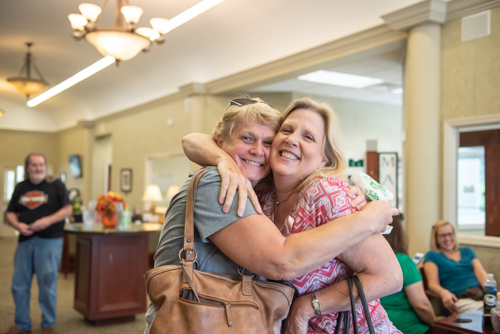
125	40
27	85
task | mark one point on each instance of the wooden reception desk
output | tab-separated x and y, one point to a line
110	265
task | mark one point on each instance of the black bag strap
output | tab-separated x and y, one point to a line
361	294
345	314
353	305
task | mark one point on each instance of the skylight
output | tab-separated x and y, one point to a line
340	79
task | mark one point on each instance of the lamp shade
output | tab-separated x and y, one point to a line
119	44
90	11
27	86
132	14
148	32
172	191
159	24
152	193
78	21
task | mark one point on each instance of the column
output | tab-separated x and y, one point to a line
421	149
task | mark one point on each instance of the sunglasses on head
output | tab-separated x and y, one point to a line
243	102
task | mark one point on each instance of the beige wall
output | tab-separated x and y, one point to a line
470	80
71	142
470	86
15	145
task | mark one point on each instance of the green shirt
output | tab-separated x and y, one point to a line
398	306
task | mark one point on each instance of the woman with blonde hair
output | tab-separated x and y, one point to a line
454	274
409	309
307	192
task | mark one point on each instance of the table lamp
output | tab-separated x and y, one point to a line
152	194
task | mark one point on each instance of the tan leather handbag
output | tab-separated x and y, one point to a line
192	301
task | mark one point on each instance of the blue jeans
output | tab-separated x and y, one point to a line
42	257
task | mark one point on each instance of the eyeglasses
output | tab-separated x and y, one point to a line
442	236
243	102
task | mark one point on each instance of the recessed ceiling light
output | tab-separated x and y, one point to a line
340	79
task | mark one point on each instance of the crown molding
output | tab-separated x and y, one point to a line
302	62
436	11
460	8
194	88
422	12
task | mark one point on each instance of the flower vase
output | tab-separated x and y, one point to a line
109	221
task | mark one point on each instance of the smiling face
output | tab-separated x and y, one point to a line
249	144
298	145
445	238
37	169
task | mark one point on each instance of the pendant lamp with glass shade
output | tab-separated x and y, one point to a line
25	83
125	40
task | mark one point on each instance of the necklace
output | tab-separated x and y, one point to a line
283	201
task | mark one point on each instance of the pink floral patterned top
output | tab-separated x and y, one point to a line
323	199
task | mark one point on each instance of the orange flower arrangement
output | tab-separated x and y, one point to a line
106	203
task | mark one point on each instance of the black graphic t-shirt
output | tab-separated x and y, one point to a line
34	201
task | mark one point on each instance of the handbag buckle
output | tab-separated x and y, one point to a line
240	271
191	250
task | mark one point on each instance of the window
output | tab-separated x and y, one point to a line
471	188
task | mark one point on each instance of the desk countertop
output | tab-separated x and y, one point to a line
100	229
474	326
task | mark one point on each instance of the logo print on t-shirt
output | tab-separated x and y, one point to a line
33	199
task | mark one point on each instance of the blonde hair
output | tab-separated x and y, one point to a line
333	152
434	244
259	112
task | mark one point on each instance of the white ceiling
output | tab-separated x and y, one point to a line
231	37
387	66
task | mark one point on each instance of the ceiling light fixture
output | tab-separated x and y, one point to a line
162	25
340	79
27	85
125	40
82	75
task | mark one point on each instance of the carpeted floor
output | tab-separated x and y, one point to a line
69	321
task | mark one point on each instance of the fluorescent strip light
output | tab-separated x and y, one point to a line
340	79
82	75
191	13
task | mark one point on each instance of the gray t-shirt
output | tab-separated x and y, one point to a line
208	219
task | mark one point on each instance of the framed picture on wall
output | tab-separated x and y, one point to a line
75	166
126	180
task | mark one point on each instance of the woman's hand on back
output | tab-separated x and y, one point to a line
379	214
234	180
358	198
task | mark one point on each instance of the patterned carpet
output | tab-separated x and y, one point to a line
69	321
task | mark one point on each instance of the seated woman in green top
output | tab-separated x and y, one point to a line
409	309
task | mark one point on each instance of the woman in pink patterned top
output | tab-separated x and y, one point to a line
307	163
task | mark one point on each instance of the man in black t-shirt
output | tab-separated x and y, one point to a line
37	210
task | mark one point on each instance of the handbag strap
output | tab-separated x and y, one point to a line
189	219
361	294
345	314
353	306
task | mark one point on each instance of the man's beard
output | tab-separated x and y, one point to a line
37	176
